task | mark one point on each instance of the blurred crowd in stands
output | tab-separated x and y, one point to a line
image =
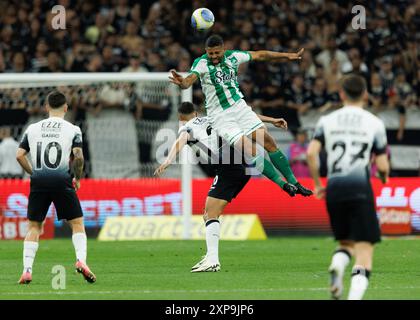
155	36
148	36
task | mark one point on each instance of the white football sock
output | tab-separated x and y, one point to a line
339	262
29	251
80	246
212	240
359	284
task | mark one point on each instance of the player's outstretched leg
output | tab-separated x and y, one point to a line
210	262
30	247
80	246
264	166
340	259
279	160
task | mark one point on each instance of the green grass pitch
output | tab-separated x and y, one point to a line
279	268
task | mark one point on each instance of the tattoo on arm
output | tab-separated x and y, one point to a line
78	163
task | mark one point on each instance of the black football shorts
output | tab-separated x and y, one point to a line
354	220
66	204
229	181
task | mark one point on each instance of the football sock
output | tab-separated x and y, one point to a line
281	162
267	169
359	283
212	240
29	251
80	244
340	260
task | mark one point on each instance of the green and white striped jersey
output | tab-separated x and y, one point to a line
219	82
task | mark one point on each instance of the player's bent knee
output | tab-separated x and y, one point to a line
269	143
245	144
77	225
35	226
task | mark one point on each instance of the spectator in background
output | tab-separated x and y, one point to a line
131	40
297	155
95	64
356	65
135	64
270	101
330	53
18	63
386	74
401	98
319	98
404	92
53	63
40	58
9	167
307	65
113	96
297	102
333	76
377	96
76	59
121	15
2	62
110	63
409	59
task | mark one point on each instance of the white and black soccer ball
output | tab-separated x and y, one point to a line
202	19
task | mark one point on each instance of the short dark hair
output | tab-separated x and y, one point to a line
353	86
214	41
56	99
186	108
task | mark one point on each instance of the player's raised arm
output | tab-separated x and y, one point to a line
175	149
23	160
180	81
273	56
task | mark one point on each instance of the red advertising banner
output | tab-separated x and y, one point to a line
15	228
398	202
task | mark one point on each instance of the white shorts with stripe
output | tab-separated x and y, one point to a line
233	123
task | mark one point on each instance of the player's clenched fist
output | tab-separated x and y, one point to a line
280	123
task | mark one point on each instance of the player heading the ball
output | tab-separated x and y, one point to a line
229	114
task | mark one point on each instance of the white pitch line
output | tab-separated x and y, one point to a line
63	292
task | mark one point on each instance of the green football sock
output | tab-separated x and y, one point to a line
267	169
282	164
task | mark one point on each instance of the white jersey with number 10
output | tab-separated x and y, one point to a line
50	143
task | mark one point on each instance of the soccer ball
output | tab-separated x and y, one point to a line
202	19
